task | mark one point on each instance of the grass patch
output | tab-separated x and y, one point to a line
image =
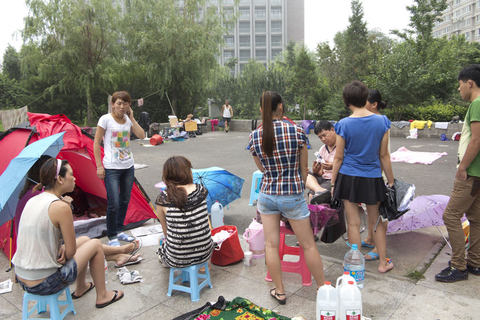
414	274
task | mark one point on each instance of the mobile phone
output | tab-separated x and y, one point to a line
319	158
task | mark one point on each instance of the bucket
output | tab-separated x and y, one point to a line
255	239
156	139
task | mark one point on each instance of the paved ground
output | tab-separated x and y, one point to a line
390	296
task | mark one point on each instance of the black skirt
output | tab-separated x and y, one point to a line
360	190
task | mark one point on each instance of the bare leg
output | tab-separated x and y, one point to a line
380	238
126	249
271	229
313	185
92	251
226	125
353	221
304	234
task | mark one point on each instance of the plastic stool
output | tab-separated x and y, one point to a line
255	188
191	275
299	266
52	300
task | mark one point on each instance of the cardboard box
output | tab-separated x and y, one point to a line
173	121
191	126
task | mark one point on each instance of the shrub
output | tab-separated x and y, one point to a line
436	112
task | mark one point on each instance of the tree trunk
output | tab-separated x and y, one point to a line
88	93
304	108
174	102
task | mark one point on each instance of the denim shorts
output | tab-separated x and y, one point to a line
62	278
291	206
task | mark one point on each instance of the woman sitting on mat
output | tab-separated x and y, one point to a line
279	150
362	152
45	266
182	211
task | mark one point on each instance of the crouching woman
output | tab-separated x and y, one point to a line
43	265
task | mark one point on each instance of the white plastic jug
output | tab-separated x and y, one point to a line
327	302
217	215
343	280
350	301
256	239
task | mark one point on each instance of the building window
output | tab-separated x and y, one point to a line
276	26
276	41
228	2
228	13
242	66
260	13
276	13
276	1
245	2
259	1
229	41
244	55
275	53
477	34
244	13
260	41
467	36
244	27
227	54
261	54
244	41
260	26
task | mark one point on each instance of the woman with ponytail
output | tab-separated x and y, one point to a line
182	211
43	265
279	150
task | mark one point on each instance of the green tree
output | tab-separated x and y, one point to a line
11	64
356	42
304	80
79	41
12	93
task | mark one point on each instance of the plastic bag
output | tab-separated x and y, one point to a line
398	200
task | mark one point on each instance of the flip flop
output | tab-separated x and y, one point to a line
125	237
275	295
373	255
321	197
137	249
92	285
103	305
366	245
128	263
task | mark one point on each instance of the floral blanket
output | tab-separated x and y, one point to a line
240	309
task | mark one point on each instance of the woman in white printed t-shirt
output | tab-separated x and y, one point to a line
117	169
227	114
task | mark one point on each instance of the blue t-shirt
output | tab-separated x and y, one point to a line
363	137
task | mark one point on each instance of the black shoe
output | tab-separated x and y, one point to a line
321	197
451	274
473	270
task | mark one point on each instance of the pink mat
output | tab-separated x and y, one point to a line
405	155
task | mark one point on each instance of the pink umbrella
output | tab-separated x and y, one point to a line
425	211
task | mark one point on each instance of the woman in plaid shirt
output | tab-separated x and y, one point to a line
279	150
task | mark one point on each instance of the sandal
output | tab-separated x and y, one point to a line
114	299
373	256
275	295
135	250
125	237
321	197
92	285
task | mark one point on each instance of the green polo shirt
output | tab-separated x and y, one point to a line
473	114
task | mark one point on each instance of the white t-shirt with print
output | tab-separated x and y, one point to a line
116	143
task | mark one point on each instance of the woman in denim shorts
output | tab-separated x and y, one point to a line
43	265
279	149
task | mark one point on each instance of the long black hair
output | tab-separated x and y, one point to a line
269	103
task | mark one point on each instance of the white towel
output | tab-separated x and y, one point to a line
441	125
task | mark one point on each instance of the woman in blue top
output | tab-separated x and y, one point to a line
362	152
279	150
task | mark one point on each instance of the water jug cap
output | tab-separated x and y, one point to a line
327	283
351	282
354	247
216	200
346	273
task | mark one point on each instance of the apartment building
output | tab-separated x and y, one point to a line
262	31
462	17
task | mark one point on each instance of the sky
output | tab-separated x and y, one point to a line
323	19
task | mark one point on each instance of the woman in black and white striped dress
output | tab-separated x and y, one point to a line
182	210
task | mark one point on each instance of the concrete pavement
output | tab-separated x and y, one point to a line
385	296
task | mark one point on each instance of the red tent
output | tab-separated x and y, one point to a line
78	150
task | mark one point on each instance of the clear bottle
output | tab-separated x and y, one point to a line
106	270
350	302
354	263
327	302
217	215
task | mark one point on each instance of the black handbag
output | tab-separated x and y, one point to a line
335	227
399	194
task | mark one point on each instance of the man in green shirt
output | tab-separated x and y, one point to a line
465	197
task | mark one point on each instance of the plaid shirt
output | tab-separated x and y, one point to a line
282	174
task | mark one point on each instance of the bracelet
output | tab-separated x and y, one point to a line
332	185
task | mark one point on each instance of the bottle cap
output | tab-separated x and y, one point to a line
327	283
351	282
248	253
354	247
346	273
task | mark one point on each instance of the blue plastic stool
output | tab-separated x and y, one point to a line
191	275
52	300
255	188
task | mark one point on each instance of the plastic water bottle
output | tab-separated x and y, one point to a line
343	280
350	301
106	270
248	260
354	263
327	302
217	215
